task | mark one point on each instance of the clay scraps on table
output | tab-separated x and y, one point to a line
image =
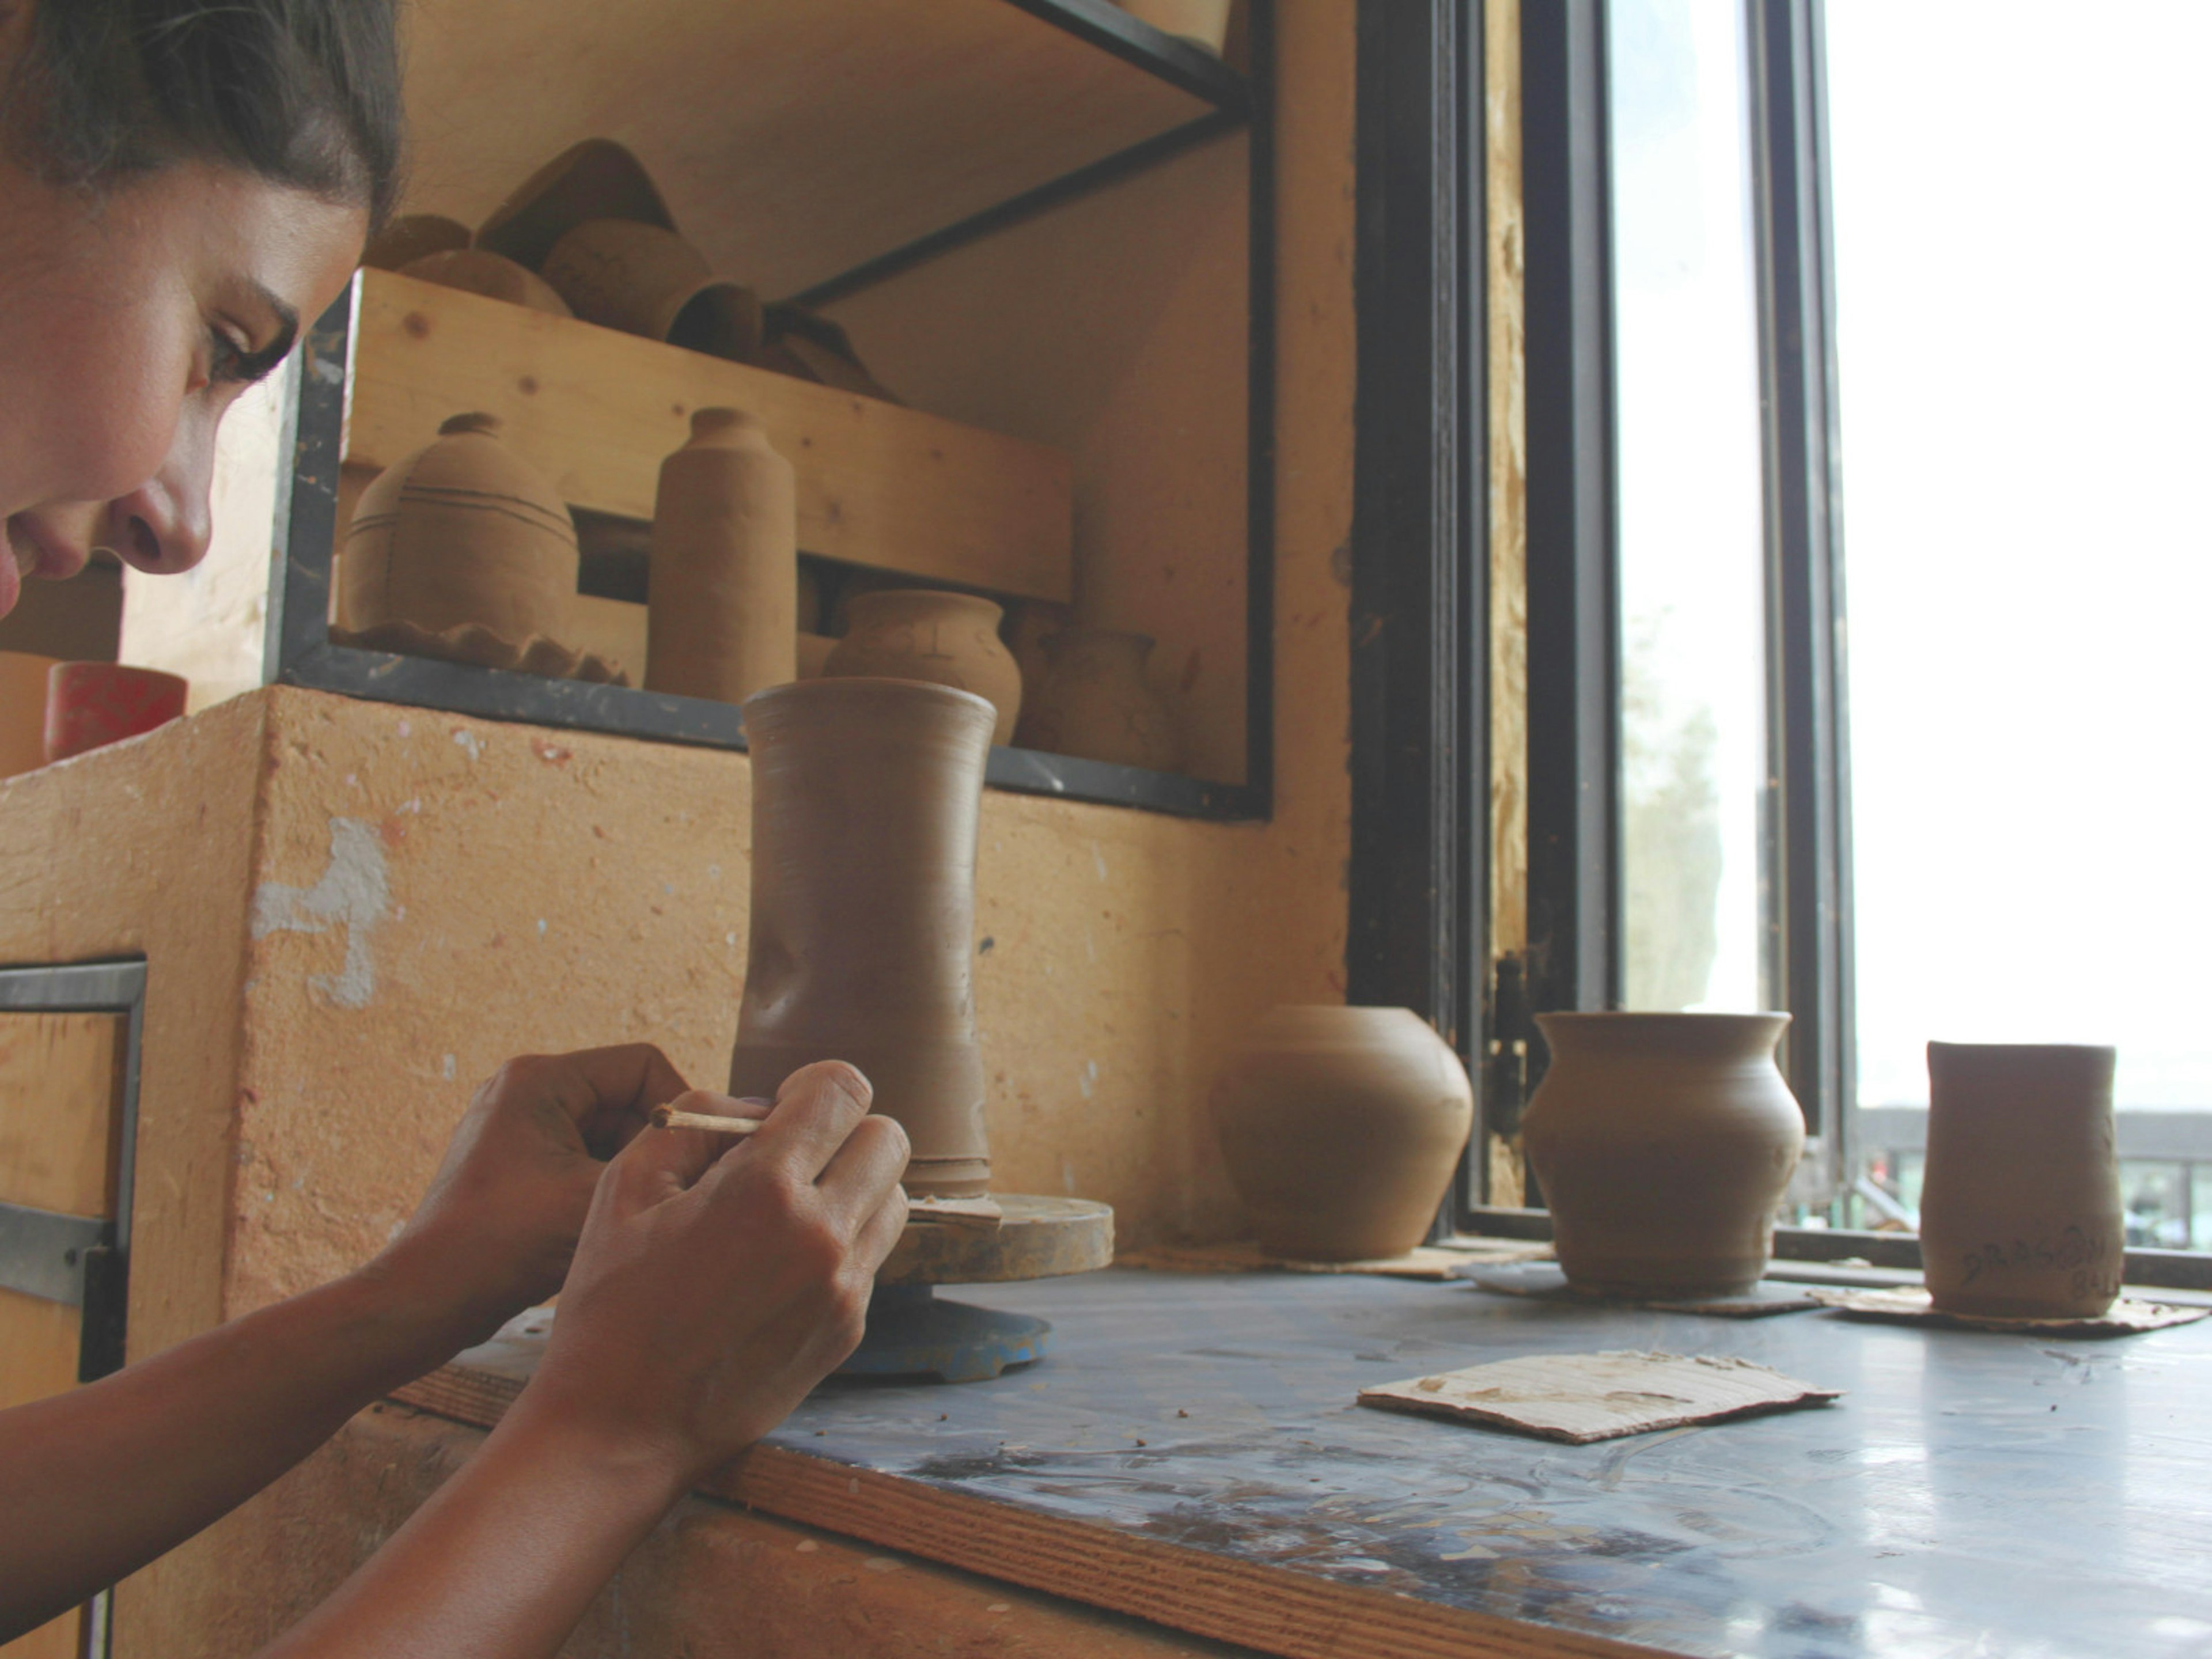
1448	1258
1911	1306
1544	1281
1582	1397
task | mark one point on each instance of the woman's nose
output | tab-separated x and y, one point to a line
162	526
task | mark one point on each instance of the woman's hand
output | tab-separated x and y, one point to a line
717	1282
495	1233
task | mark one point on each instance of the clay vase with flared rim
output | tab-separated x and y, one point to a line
2021	1215
1663	1144
866	794
1202	22
916	633
22	710
1096	702
1341	1128
644	280
464	531
90	705
479	270
411	237
722	612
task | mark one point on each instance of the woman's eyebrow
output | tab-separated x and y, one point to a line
259	365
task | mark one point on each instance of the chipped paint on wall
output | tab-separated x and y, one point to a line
353	892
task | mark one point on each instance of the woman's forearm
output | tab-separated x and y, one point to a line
100	1480
504	1558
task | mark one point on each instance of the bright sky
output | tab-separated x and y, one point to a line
2023	262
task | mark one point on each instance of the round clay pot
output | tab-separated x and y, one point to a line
723	611
1663	1144
465	531
479	270
2021	1215
1202	22
916	633
22	709
413	236
1342	1128
90	705
865	800
1095	702
644	280
597	179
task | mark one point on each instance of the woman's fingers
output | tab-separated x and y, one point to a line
879	1234
815	1110
862	1171
606	1092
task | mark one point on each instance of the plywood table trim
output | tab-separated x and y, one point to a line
1273	1610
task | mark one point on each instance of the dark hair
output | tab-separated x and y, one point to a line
303	92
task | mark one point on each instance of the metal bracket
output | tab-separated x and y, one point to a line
44	1254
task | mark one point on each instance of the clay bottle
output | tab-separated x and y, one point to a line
1663	1144
1096	702
2021	1215
723	614
865	800
1341	1128
462	532
918	633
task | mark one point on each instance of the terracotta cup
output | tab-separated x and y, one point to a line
918	633
1341	1128
1095	701
92	704
722	618
1663	1144
866	794
2021	1215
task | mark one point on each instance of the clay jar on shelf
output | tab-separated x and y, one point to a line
866	794
644	280
479	270
462	532
90	705
1341	1128
2021	1215
917	633
1095	703
722	614
1663	1144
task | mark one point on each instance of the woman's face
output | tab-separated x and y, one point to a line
127	327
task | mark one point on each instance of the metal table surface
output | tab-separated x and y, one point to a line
1970	1494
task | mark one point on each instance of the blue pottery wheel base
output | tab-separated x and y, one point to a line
911	1333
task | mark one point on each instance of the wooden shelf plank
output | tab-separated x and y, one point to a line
794	139
878	485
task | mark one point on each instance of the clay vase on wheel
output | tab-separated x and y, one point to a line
722	616
1663	1144
865	799
917	633
1342	1128
2021	1215
463	531
1096	702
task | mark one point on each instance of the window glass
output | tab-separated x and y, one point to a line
1691	592
2025	338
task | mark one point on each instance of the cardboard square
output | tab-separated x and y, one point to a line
1446	1260
1908	1305
1545	1282
1582	1397
981	1212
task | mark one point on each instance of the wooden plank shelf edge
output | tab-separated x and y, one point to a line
1274	1610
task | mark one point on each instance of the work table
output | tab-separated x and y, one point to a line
1190	1453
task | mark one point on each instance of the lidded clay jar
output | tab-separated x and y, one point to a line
1663	1144
463	531
721	620
866	795
1096	702
1342	1128
2021	1215
919	634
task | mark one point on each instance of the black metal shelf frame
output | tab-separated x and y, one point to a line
299	652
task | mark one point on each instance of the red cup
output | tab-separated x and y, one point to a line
90	705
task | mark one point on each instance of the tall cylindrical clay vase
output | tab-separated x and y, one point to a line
918	634
2020	1214
1096	702
865	800
1341	1128
722	615
464	531
1663	1144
